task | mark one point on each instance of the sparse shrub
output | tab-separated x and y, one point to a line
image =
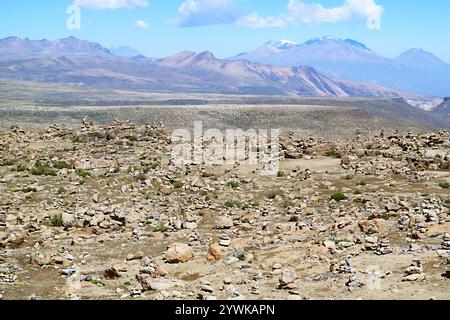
286	203
178	184
280	174
241	256
233	184
255	204
444	184
141	176
245	206
233	203
61	165
362	183
203	193
83	173
41	169
61	190
21	167
57	220
206	174
360	201
28	190
272	195
339	196
97	282
159	229
155	165
357	192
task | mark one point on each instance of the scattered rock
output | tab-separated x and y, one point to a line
414	272
112	274
216	252
287	279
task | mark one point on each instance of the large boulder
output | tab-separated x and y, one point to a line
68	219
223	222
179	253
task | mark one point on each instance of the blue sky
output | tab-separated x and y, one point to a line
227	27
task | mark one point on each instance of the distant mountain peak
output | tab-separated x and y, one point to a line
331	39
125	52
188	59
281	44
12	38
70	38
205	55
328	37
417	52
418	57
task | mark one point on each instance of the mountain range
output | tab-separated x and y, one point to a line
14	48
414	70
74	61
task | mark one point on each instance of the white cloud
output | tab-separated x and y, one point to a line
300	12
194	13
254	20
111	4
141	24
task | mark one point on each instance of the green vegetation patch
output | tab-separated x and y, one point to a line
41	169
339	196
57	220
444	184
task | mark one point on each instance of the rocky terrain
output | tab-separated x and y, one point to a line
325	117
100	212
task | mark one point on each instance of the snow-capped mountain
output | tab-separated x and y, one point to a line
415	70
317	50
70	60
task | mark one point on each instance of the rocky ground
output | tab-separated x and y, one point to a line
100	212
